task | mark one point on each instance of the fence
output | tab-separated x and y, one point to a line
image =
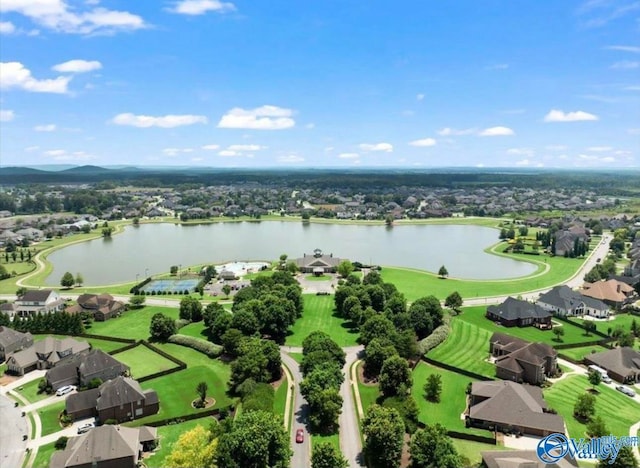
464	372
604	343
191	416
466	436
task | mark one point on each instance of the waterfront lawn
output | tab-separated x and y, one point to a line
466	347
618	411
49	416
579	353
44	455
453	401
169	435
142	361
30	391
176	391
572	333
105	345
133	324
319	314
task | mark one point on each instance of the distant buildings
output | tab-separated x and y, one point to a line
100	307
318	263
44	354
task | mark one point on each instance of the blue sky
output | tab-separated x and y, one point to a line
348	83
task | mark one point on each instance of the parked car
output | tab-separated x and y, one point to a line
64	390
86	428
626	390
299	436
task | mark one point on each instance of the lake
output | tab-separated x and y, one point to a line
153	248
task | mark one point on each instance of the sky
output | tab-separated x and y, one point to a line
331	83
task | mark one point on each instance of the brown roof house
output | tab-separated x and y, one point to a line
100	306
106	447
120	399
522	459
521	361
12	341
515	312
611	292
45	354
85	367
511	407
42	300
622	364
318	263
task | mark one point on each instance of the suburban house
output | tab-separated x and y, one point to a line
564	301
522	459
34	301
100	306
85	367
521	361
106	447
511	407
515	312
120	399
44	354
612	292
12	341
318	263
565	241
622	364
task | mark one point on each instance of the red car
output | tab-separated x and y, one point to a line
299	436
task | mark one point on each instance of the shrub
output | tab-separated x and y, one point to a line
182	323
111	422
437	336
61	443
210	349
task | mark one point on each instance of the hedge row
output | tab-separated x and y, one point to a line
182	323
210	349
437	336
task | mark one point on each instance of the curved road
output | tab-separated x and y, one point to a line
301	452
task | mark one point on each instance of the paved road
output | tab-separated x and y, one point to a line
12	429
301	452
350	441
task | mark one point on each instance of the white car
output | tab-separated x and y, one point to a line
86	428
626	390
64	390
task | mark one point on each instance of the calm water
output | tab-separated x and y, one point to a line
153	248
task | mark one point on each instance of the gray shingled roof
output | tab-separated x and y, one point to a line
622	361
119	391
566	298
521	459
36	295
9	336
82	401
514	309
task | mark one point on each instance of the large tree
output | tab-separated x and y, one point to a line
453	301
432	447
585	407
320	341
383	431
196	447
433	388
190	309
442	272
377	326
345	267
375	353
325	455
625	459
162	327
67	280
395	377
425	315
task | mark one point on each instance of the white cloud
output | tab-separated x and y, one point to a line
529	152
56	15
599	149
387	147
625	65
632	49
200	7
260	118
64	155
228	153
77	66
348	155
57	152
556	147
245	147
6	27
45	128
176	151
423	142
6	115
210	147
166	121
290	159
32	148
496	131
452	131
420	97
15	75
523	162
556	115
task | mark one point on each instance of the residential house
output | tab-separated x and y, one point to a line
12	341
85	367
35	301
564	301
318	263
521	361
511	407
522	459
120	399
565	241
622	364
611	292
515	312
31	233
108	446
100	306
44	354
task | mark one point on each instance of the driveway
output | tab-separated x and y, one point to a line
12	430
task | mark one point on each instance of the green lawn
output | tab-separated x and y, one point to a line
453	400
142	361
297	357
44	455
467	347
133	324
168	435
618	410
105	345
318	278
333	439
49	417
476	316
30	391
623	320
579	353
196	330
280	399
471	450
319	314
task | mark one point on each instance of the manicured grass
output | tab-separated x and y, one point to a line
49	418
471	450
333	439
466	347
3	368
105	345
169	435
618	410
623	320
142	361
297	357
318	278
452	403
30	391
20	268
176	391
369	395
319	314
572	334
280	399
196	330
133	324
44	455
579	353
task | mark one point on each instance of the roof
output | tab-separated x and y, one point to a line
610	290
566	298
36	295
119	391
318	261
82	401
622	361
514	309
513	404
93	362
9	336
521	459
